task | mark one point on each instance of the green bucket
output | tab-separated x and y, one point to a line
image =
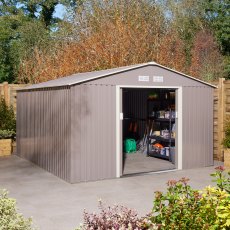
130	146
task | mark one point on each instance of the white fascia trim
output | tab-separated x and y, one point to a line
149	87
180	129
118	156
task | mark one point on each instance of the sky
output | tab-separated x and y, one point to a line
60	11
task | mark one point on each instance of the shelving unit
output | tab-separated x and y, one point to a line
167	142
154	107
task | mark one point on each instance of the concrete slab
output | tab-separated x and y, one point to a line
138	163
56	205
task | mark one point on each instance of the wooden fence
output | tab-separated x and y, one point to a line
221	109
9	93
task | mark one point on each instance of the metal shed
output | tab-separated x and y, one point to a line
72	126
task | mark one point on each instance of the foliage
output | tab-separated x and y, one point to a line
25	25
217	14
222	179
109	217
10	219
186	17
36	46
106	35
178	208
115	217
206	62
8	35
214	209
182	207
7	134
7	117
226	141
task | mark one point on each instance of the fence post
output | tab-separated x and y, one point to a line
6	92
221	118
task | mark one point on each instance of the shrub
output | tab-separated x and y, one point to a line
179	208
214	210
182	207
7	134
10	219
115	218
226	141
7	117
222	179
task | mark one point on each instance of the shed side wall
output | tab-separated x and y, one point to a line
93	118
43	129
197	127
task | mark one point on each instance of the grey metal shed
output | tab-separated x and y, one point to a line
72	126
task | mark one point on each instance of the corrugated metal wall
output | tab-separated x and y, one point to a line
135	109
43	129
93	149
71	132
197	127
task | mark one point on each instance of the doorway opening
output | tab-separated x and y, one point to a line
149	130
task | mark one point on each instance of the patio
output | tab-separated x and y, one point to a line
56	205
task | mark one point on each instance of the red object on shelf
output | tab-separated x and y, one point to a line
158	145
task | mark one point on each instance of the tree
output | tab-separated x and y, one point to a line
185	17
218	17
36	46
107	34
207	61
25	25
217	14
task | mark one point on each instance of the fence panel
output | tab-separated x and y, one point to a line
221	111
9	93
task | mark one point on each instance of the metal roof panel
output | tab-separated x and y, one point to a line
88	76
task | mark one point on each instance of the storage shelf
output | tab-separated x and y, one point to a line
160	138
161	119
165	119
157	155
157	106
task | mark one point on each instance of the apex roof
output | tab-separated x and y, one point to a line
89	76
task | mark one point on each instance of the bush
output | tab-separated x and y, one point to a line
7	117
7	134
182	207
222	179
115	218
179	208
10	219
226	141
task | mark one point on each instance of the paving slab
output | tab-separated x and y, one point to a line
57	205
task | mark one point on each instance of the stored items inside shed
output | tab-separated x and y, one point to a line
149	130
